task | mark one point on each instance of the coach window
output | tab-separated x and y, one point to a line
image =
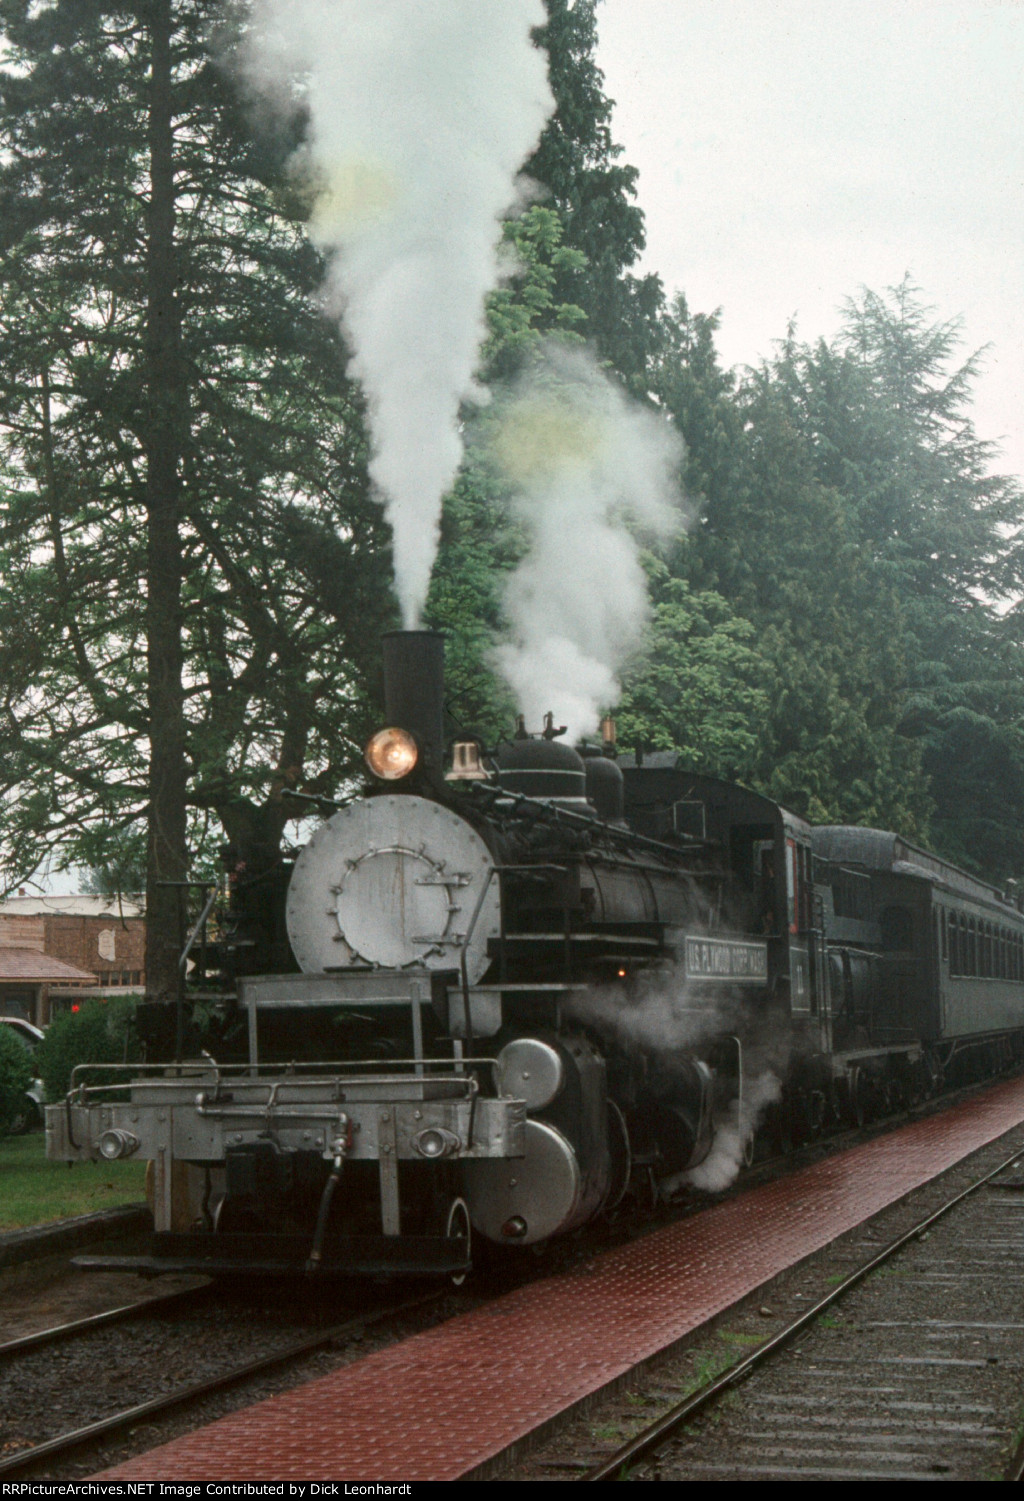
944	931
954	943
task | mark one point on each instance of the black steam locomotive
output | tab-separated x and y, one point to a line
531	983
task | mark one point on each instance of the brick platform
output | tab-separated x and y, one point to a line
442	1403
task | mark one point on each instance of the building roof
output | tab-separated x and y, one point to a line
33	968
79	905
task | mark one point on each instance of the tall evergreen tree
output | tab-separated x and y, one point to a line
885	410
175	411
773	539
577	165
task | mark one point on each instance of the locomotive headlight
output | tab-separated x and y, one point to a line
391	754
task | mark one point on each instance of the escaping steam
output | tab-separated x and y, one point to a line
586	468
421	115
660	1018
655	1016
726	1157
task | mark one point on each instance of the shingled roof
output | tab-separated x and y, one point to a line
30	967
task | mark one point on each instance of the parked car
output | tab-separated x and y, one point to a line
32	1117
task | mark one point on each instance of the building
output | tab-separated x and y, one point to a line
55	950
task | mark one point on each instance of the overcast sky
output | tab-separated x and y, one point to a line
792	151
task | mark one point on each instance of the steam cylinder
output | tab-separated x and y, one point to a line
414	688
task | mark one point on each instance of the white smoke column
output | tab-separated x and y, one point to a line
421	114
584	464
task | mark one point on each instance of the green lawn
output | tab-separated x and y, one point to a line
34	1191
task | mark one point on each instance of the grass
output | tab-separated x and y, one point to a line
707	1367
741	1339
35	1192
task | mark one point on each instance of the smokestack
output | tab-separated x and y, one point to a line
414	689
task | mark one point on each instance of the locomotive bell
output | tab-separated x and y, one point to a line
466	765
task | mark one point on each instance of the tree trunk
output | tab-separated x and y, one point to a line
167	406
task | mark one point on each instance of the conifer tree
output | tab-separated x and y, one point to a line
577	165
195	575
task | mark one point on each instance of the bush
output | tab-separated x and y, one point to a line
99	1032
15	1078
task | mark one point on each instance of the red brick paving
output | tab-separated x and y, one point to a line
441	1403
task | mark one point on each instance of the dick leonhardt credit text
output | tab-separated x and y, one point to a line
249	1489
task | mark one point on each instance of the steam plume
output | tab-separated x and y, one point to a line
583	463
657	1015
421	113
661	1019
725	1159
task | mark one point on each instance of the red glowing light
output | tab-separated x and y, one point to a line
75	1006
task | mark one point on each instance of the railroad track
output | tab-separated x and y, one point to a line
652	1440
181	1396
120	1315
193	1391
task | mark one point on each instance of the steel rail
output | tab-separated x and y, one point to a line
1015	1469
93	1321
651	1439
63	1442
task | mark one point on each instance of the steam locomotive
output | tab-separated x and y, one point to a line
530	984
